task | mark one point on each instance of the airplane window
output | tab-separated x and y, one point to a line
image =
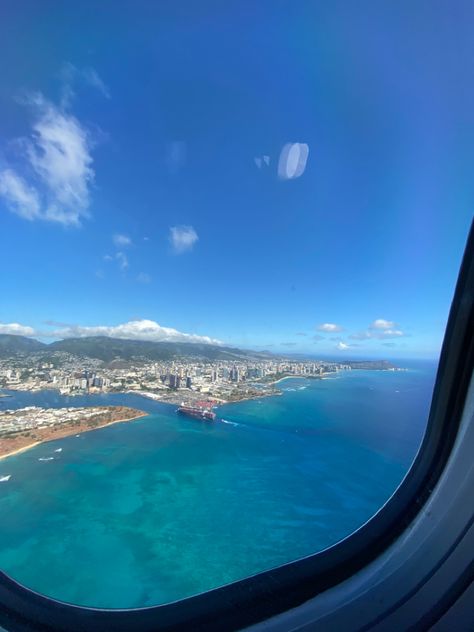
230	238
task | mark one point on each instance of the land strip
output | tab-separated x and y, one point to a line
24	428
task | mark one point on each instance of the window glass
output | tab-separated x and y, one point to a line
229	239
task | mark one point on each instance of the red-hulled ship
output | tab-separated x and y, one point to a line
198	412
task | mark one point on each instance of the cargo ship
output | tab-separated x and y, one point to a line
197	412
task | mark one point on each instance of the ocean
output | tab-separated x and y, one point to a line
151	511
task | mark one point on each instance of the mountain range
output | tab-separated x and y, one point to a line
110	349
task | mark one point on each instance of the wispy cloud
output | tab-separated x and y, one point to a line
92	78
329	328
288	344
143	277
381	323
391	333
342	346
380	329
72	76
58	163
301	333
16	329
262	161
182	238
121	241
175	156
122	260
361	335
134	330
19	196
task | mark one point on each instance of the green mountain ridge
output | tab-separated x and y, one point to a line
10	343
109	349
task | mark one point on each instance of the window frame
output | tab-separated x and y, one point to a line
259	597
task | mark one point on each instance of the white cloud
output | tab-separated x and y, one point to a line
329	327
59	153
134	330
342	346
381	323
292	162
19	196
121	241
58	156
16	329
391	333
122	260
182	238
143	277
380	329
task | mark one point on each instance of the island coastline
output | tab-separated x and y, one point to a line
60	431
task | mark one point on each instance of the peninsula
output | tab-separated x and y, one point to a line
26	427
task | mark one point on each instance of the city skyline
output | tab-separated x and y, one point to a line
221	180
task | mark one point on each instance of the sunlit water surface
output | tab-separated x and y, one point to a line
164	507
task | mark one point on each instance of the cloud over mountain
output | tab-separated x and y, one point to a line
133	330
16	329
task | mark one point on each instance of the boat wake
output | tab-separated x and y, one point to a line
230	423
59	450
4	479
46	458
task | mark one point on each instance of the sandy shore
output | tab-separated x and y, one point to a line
23	449
20	443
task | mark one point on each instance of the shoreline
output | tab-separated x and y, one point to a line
287	377
68	431
23	449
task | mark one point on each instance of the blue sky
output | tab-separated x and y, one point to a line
294	176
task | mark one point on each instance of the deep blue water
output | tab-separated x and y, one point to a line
164	507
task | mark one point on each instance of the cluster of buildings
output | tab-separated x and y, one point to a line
33	418
227	380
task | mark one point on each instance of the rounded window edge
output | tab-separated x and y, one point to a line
258	597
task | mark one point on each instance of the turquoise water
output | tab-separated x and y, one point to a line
164	507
